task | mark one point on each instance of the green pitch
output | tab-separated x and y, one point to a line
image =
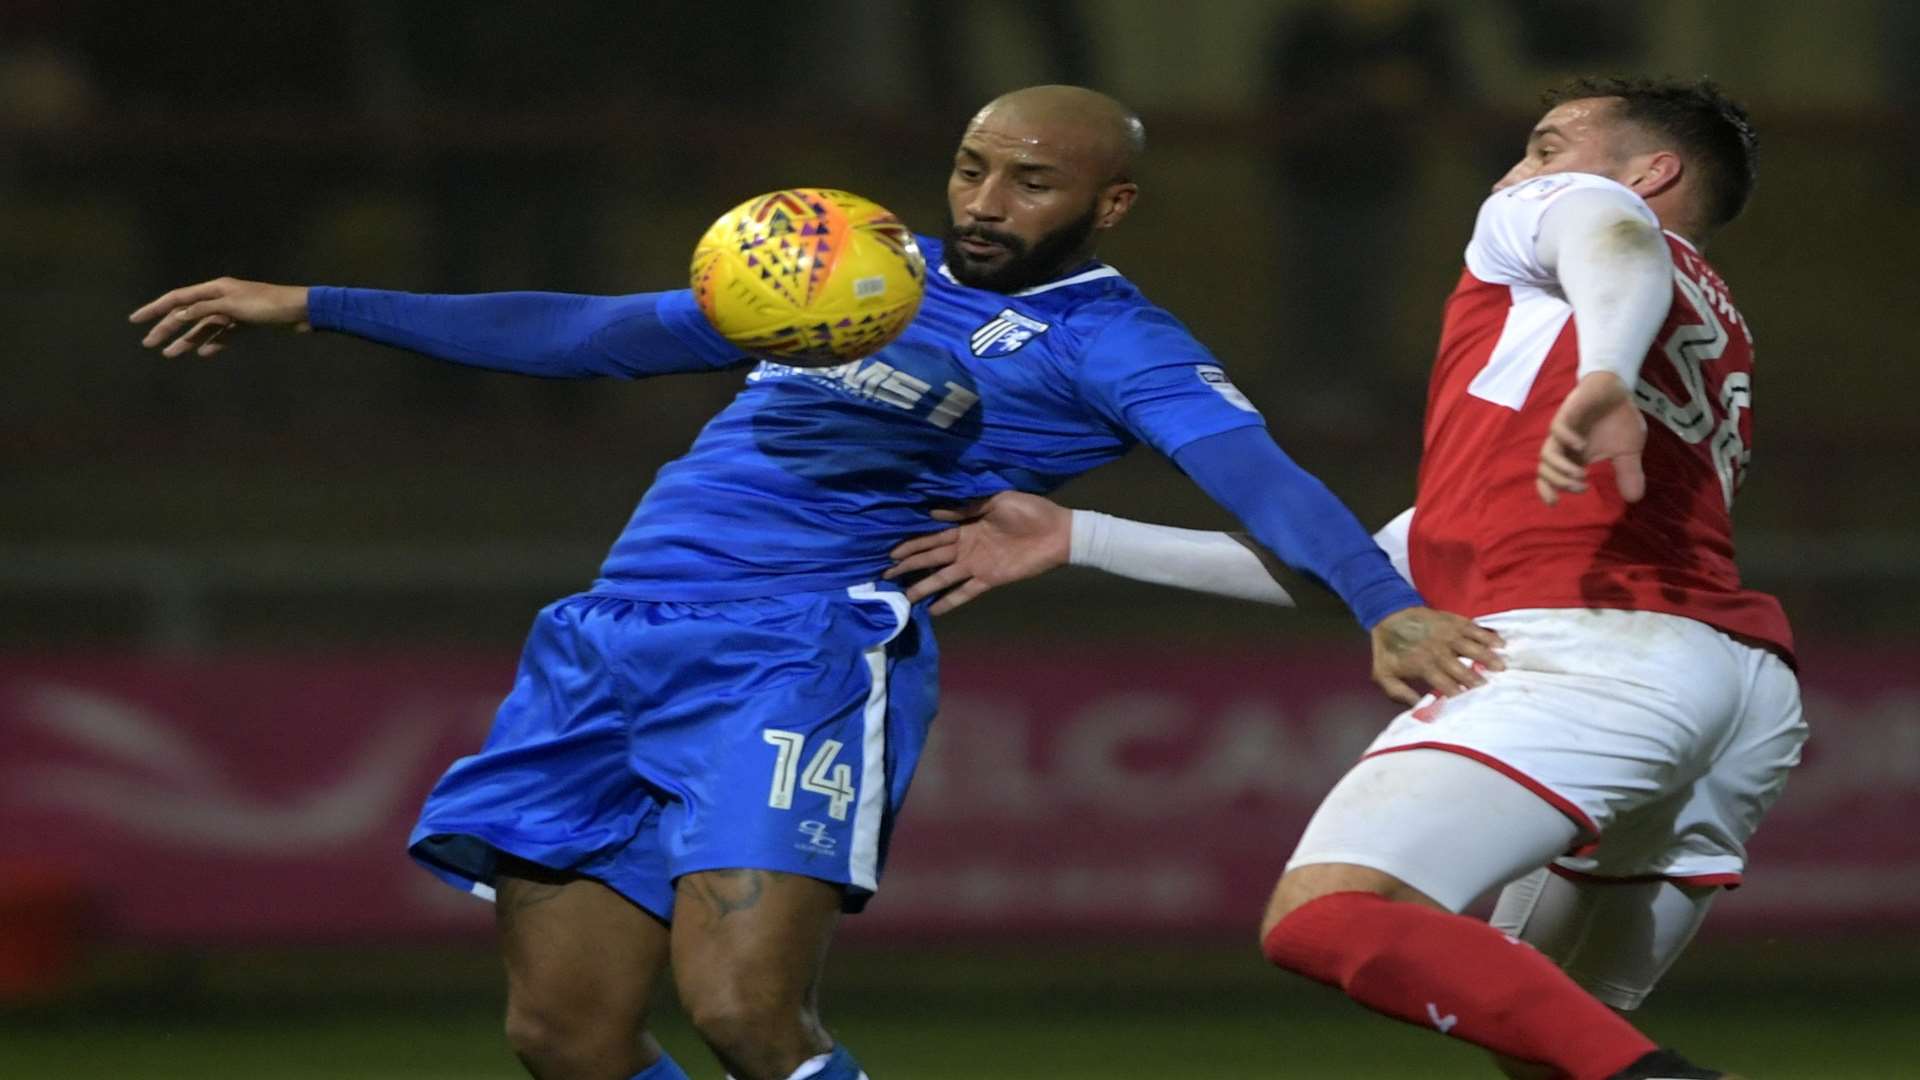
1075	1016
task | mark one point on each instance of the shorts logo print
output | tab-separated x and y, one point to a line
818	842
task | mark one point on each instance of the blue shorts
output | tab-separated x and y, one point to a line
644	740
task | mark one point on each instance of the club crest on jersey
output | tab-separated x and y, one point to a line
1006	333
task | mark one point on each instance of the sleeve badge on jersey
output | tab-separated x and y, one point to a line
1541	187
1223	386
1006	332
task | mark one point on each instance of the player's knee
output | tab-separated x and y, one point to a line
738	1019
537	1036
1296	888
556	1042
1304	884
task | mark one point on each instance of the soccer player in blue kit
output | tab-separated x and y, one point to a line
702	755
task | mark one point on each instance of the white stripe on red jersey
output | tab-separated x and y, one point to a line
1483	541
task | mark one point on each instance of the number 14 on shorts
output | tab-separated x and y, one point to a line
821	776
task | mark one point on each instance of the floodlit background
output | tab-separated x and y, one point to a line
249	608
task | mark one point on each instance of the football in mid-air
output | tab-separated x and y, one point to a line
809	276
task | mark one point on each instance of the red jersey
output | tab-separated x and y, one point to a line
1481	539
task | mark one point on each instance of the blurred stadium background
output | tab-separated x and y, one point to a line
249	608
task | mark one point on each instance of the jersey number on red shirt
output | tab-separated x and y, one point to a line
1690	348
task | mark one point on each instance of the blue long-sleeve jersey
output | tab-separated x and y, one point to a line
811	475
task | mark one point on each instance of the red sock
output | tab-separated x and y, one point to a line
1458	975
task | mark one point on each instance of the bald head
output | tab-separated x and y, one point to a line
1039	175
1085	123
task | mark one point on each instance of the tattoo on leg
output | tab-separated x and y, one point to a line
728	891
517	896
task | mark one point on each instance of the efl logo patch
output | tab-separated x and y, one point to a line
1223	386
1008	331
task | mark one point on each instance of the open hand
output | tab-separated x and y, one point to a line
1007	538
200	317
1429	646
1598	421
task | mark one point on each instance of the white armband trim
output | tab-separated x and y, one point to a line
1193	559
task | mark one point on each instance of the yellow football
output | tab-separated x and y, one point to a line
809	276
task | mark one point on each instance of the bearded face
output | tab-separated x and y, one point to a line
988	257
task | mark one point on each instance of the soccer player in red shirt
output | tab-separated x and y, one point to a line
1588	424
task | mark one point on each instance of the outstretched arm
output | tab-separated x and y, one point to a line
1292	514
555	335
1014	536
1221	563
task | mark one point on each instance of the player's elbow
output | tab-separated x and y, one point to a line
1630	238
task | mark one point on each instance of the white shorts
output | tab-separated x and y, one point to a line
1664	740
1453	828
1615	939
1642	749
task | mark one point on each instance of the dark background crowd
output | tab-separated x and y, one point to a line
1313	174
233	590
